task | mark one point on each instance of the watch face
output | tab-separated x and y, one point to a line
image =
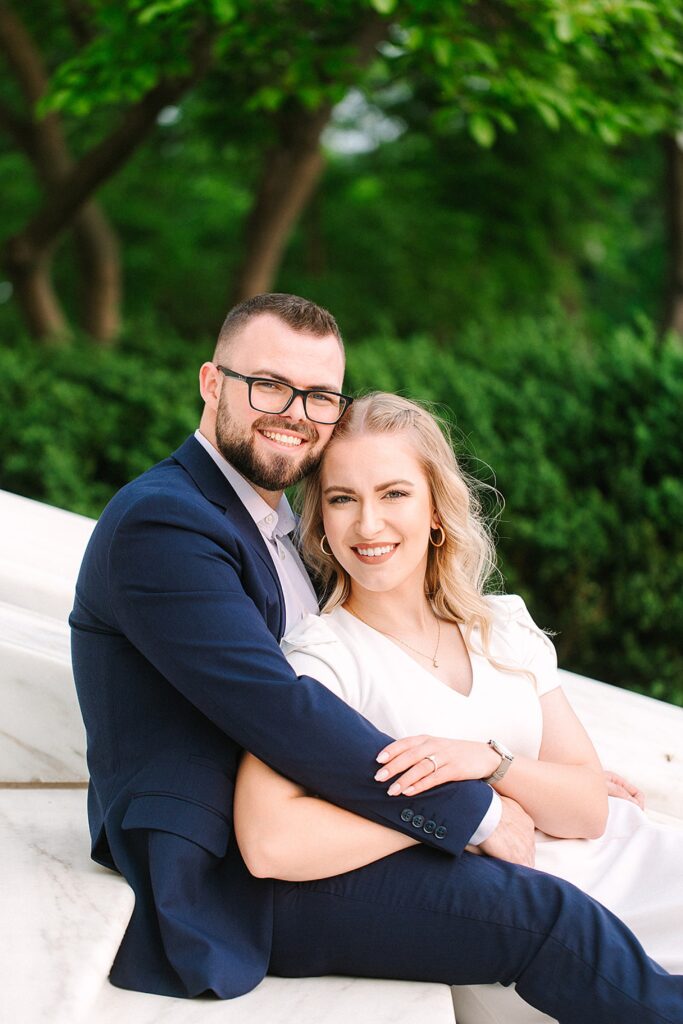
501	749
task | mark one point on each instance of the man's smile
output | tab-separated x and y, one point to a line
280	437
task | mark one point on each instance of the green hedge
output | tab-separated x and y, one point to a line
585	442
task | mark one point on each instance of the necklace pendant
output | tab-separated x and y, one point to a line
435	663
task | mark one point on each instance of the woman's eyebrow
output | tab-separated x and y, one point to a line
392	483
336	487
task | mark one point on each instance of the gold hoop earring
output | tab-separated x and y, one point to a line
322	546
443	536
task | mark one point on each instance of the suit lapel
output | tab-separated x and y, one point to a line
216	489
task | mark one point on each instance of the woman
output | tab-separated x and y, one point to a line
409	638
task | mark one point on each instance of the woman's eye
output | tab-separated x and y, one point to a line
396	494
340	499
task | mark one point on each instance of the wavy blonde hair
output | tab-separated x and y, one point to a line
459	573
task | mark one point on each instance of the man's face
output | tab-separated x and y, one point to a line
275	451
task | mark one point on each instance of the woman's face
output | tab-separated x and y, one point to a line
377	511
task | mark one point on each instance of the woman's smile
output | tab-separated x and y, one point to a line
374	554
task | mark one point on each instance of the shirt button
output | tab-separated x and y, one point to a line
406	814
283	554
429	827
418	820
269	518
441	832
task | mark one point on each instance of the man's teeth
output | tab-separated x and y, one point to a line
375	552
283	438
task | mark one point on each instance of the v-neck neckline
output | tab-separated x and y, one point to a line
404	654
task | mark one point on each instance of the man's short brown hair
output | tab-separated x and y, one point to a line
300	314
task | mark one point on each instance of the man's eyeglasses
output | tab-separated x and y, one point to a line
266	395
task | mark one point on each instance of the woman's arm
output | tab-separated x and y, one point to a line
284	832
565	791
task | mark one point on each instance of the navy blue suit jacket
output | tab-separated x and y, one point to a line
175	631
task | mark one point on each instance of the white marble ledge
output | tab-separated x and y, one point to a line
42	738
636	736
329	1000
41	548
62	916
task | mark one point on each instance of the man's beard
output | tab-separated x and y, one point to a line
274	473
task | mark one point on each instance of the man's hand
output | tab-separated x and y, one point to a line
513	839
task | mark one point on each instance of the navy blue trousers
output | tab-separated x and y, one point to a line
419	915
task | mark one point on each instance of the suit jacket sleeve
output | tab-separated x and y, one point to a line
179	596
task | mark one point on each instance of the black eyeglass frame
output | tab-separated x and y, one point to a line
346	400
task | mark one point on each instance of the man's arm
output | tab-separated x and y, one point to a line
178	596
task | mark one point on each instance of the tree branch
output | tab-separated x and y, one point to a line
97	165
22	55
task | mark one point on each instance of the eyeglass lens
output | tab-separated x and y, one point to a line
272	396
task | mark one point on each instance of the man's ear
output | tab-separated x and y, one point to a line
210	383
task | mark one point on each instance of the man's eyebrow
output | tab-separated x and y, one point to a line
380	487
274	375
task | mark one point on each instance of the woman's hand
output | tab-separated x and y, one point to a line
453	761
617	785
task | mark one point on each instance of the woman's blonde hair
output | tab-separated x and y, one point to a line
459	571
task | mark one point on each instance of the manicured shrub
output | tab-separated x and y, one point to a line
583	441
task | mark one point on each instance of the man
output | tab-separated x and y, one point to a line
187	585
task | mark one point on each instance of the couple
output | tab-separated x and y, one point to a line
188	585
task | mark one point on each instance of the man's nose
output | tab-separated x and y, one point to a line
296	410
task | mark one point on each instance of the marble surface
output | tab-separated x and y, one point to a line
329	1000
636	736
42	738
63	918
41	548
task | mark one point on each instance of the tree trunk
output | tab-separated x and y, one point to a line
673	318
32	282
99	257
71	185
43	142
292	170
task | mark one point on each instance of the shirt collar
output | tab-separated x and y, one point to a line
271	522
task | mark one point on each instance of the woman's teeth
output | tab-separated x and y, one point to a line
282	438
375	552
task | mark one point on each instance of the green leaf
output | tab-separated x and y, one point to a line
548	115
224	10
565	29
482	130
384	6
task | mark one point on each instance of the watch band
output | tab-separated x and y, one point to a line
506	759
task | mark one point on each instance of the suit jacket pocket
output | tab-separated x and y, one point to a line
180	816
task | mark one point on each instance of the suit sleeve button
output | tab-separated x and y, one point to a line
429	827
441	832
418	820
406	814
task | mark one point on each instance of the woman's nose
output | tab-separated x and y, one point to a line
370	521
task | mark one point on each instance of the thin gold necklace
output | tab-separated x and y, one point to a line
430	657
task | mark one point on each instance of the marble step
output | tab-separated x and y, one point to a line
41	548
63	918
42	738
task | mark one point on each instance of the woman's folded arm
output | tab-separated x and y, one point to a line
284	832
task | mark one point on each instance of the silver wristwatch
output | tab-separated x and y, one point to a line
506	759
